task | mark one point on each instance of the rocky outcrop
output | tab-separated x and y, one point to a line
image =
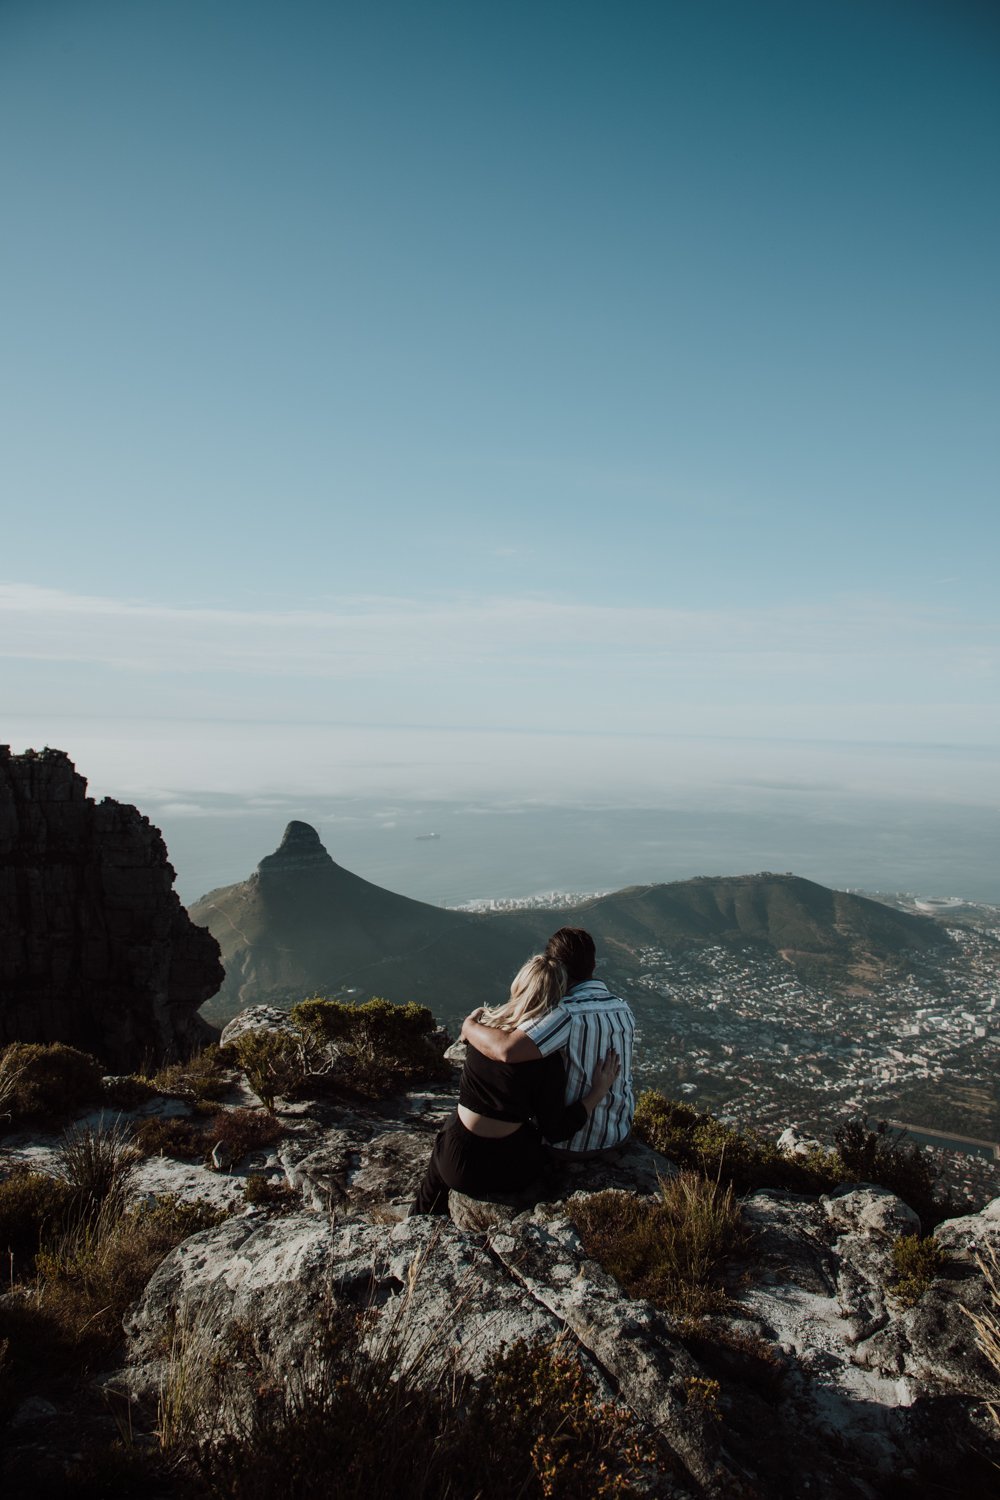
815	1377
96	949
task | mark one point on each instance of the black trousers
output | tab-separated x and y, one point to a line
479	1166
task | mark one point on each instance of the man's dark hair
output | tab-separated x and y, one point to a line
574	949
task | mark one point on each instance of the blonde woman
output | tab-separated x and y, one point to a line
494	1143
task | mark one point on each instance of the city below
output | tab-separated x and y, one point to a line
736	1032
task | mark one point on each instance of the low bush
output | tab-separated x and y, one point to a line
379	1047
128	1091
32	1204
169	1136
205	1076
273	1063
47	1082
269	1192
915	1264
881	1155
241	1131
674	1251
742	1158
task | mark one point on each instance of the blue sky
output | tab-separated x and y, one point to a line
388	375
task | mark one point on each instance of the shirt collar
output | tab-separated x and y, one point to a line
588	989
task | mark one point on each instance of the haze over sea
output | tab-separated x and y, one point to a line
570	812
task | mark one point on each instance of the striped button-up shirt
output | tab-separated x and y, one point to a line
588	1023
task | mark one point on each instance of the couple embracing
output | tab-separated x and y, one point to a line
552	1064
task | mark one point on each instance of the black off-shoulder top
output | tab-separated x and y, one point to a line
521	1091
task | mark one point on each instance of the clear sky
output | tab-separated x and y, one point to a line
380	380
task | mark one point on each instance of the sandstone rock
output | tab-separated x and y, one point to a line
95	947
871	1209
963	1238
794	1143
258	1018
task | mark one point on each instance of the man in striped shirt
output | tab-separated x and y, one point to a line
589	1023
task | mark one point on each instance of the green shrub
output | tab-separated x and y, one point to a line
31	1205
241	1131
48	1081
273	1063
743	1158
674	1251
379	1047
169	1136
881	1156
915	1264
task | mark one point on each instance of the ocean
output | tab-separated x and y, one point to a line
516	850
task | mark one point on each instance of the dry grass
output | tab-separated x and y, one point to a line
675	1251
89	1275
386	1410
987	1324
32	1205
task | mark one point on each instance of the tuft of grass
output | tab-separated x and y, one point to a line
742	1158
915	1264
97	1161
179	1138
46	1082
32	1204
11	1072
675	1251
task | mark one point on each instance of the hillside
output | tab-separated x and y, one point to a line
823	934
303	925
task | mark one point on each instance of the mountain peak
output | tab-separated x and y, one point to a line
300	849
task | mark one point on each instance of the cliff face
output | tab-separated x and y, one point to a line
96	949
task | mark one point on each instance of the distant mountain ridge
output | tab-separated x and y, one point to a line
302	925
